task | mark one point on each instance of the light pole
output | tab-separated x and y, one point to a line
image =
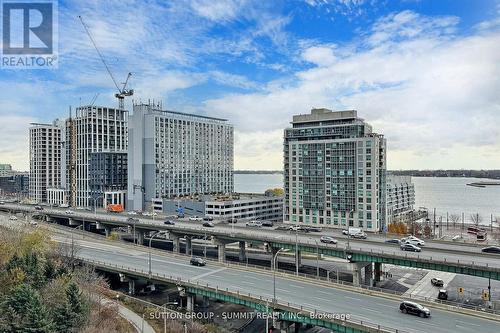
164	306
205	245
150	239
296	251
317	258
349	227
274	274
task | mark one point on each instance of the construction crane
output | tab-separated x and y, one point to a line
123	91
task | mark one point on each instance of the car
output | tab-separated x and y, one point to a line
413	242
197	261
457	237
70	212
64	205
35	223
13	218
267	223
328	240
392	241
345	232
38	207
491	249
410	247
132	212
443	294
437	282
414	309
208	224
282	227
168	222
195	218
256	224
314	229
208	218
359	235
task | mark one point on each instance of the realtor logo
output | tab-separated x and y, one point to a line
29	34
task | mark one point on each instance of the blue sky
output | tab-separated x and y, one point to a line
424	73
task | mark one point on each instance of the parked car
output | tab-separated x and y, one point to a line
392	241
328	240
38	207
197	261
34	223
437	282
195	218
443	294
70	212
208	218
267	223
132	212
410	247
415	309
13	218
169	222
208	224
491	249
256	224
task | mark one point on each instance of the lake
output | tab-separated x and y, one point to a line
450	195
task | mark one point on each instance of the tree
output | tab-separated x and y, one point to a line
72	314
454	218
476	218
427	231
24	312
275	192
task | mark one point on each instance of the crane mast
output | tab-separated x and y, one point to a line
123	91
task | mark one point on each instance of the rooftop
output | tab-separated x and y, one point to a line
322	114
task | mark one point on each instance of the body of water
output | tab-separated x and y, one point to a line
447	195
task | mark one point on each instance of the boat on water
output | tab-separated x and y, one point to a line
483	184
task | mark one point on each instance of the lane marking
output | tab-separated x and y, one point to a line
466	323
371	310
250	283
323	292
284	290
354	298
387	306
209	273
295	286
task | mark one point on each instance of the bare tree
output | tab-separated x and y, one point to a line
454	218
476	218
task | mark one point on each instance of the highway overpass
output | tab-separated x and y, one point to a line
435	256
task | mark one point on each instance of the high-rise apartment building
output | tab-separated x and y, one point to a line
94	129
108	177
6	170
334	171
45	159
173	154
400	199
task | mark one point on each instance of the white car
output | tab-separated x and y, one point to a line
34	223
13	218
256	224
132	212
413	240
195	218
70	212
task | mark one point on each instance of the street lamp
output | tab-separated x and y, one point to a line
274	273
296	250
317	258
150	239
164	306
349	227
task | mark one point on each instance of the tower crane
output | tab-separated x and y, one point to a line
123	91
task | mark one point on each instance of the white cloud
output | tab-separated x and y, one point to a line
432	94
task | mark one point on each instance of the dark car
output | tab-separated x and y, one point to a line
437	282
168	222
415	309
267	223
208	218
392	241
314	229
410	247
197	261
38	207
443	294
208	224
282	227
233	220
491	249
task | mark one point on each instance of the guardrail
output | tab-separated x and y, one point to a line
263	301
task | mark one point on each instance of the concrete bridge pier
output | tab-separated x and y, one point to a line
140	237
189	245
298	260
378	271
369	275
221	249
131	287
282	326
296	327
206	302
72	222
190	300
356	268
176	248
243	252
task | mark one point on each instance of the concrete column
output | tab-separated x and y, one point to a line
190	299
378	271
175	244
243	252
221	252
369	275
206	302
140	237
131	287
356	275
188	245
107	231
297	327
298	261
72	222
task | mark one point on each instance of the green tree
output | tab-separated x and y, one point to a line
23	311
73	313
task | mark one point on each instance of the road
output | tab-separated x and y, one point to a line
435	251
360	306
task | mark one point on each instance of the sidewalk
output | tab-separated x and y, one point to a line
141	325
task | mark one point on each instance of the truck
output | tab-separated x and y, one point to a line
354	232
114	208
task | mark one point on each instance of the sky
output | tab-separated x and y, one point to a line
426	74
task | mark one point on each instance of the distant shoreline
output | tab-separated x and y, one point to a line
259	172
